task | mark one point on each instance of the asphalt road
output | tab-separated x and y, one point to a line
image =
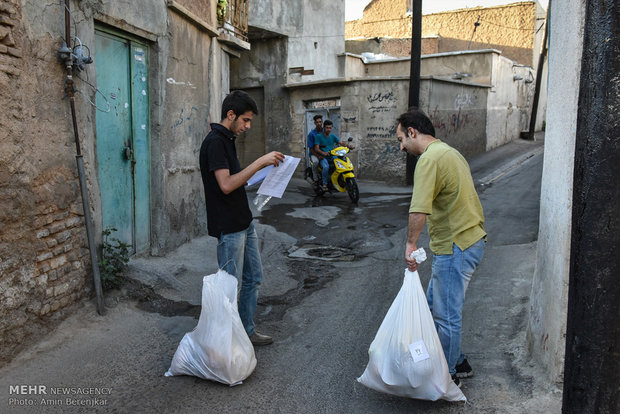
332	270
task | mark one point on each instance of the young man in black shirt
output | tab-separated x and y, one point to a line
228	214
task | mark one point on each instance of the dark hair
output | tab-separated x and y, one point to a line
318	116
239	102
327	122
417	119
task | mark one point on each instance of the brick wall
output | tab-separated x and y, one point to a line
44	258
510	28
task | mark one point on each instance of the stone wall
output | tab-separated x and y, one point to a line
511	28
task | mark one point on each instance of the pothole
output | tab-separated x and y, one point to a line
327	253
151	301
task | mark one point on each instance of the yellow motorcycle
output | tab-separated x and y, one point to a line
342	176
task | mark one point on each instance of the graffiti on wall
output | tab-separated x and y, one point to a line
388	144
381	102
187	118
462	100
449	123
381	132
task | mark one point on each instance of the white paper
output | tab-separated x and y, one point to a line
278	177
259	176
418	351
419	255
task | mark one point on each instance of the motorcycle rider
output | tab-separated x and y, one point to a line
323	144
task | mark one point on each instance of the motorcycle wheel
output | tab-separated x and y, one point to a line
353	190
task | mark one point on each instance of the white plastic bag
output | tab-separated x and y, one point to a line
406	357
218	348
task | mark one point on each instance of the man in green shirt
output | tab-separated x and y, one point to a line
443	193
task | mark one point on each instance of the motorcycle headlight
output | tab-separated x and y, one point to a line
340	153
339	164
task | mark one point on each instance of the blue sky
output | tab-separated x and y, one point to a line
354	8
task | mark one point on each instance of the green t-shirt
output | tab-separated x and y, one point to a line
326	143
444	190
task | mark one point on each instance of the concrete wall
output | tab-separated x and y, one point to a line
459	114
369	115
44	261
284	18
390	46
547	324
472	117
370	107
184	120
320	41
291	42
490	83
391	67
263	68
510	101
314	31
471	66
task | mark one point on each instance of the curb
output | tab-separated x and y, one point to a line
506	168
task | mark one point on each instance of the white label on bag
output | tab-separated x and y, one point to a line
418	351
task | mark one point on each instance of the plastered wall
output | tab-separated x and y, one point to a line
548	302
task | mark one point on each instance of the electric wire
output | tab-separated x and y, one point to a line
97	91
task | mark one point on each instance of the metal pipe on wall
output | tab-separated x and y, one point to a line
70	91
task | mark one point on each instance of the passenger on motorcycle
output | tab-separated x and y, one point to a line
314	159
323	144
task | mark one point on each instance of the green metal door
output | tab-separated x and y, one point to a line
122	137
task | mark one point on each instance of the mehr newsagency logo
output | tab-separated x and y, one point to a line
43	395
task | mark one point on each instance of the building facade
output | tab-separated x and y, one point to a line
158	74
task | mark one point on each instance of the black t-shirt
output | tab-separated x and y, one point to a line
226	213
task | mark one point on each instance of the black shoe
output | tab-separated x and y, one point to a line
456	380
259	339
463	370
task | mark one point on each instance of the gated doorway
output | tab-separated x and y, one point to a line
123	136
328	109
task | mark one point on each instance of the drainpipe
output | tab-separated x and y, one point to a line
65	54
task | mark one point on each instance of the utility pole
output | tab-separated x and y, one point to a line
539	72
414	77
68	59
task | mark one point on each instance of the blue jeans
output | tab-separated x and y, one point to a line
446	295
237	254
325	165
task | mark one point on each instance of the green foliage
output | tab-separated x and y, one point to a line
114	259
221	9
